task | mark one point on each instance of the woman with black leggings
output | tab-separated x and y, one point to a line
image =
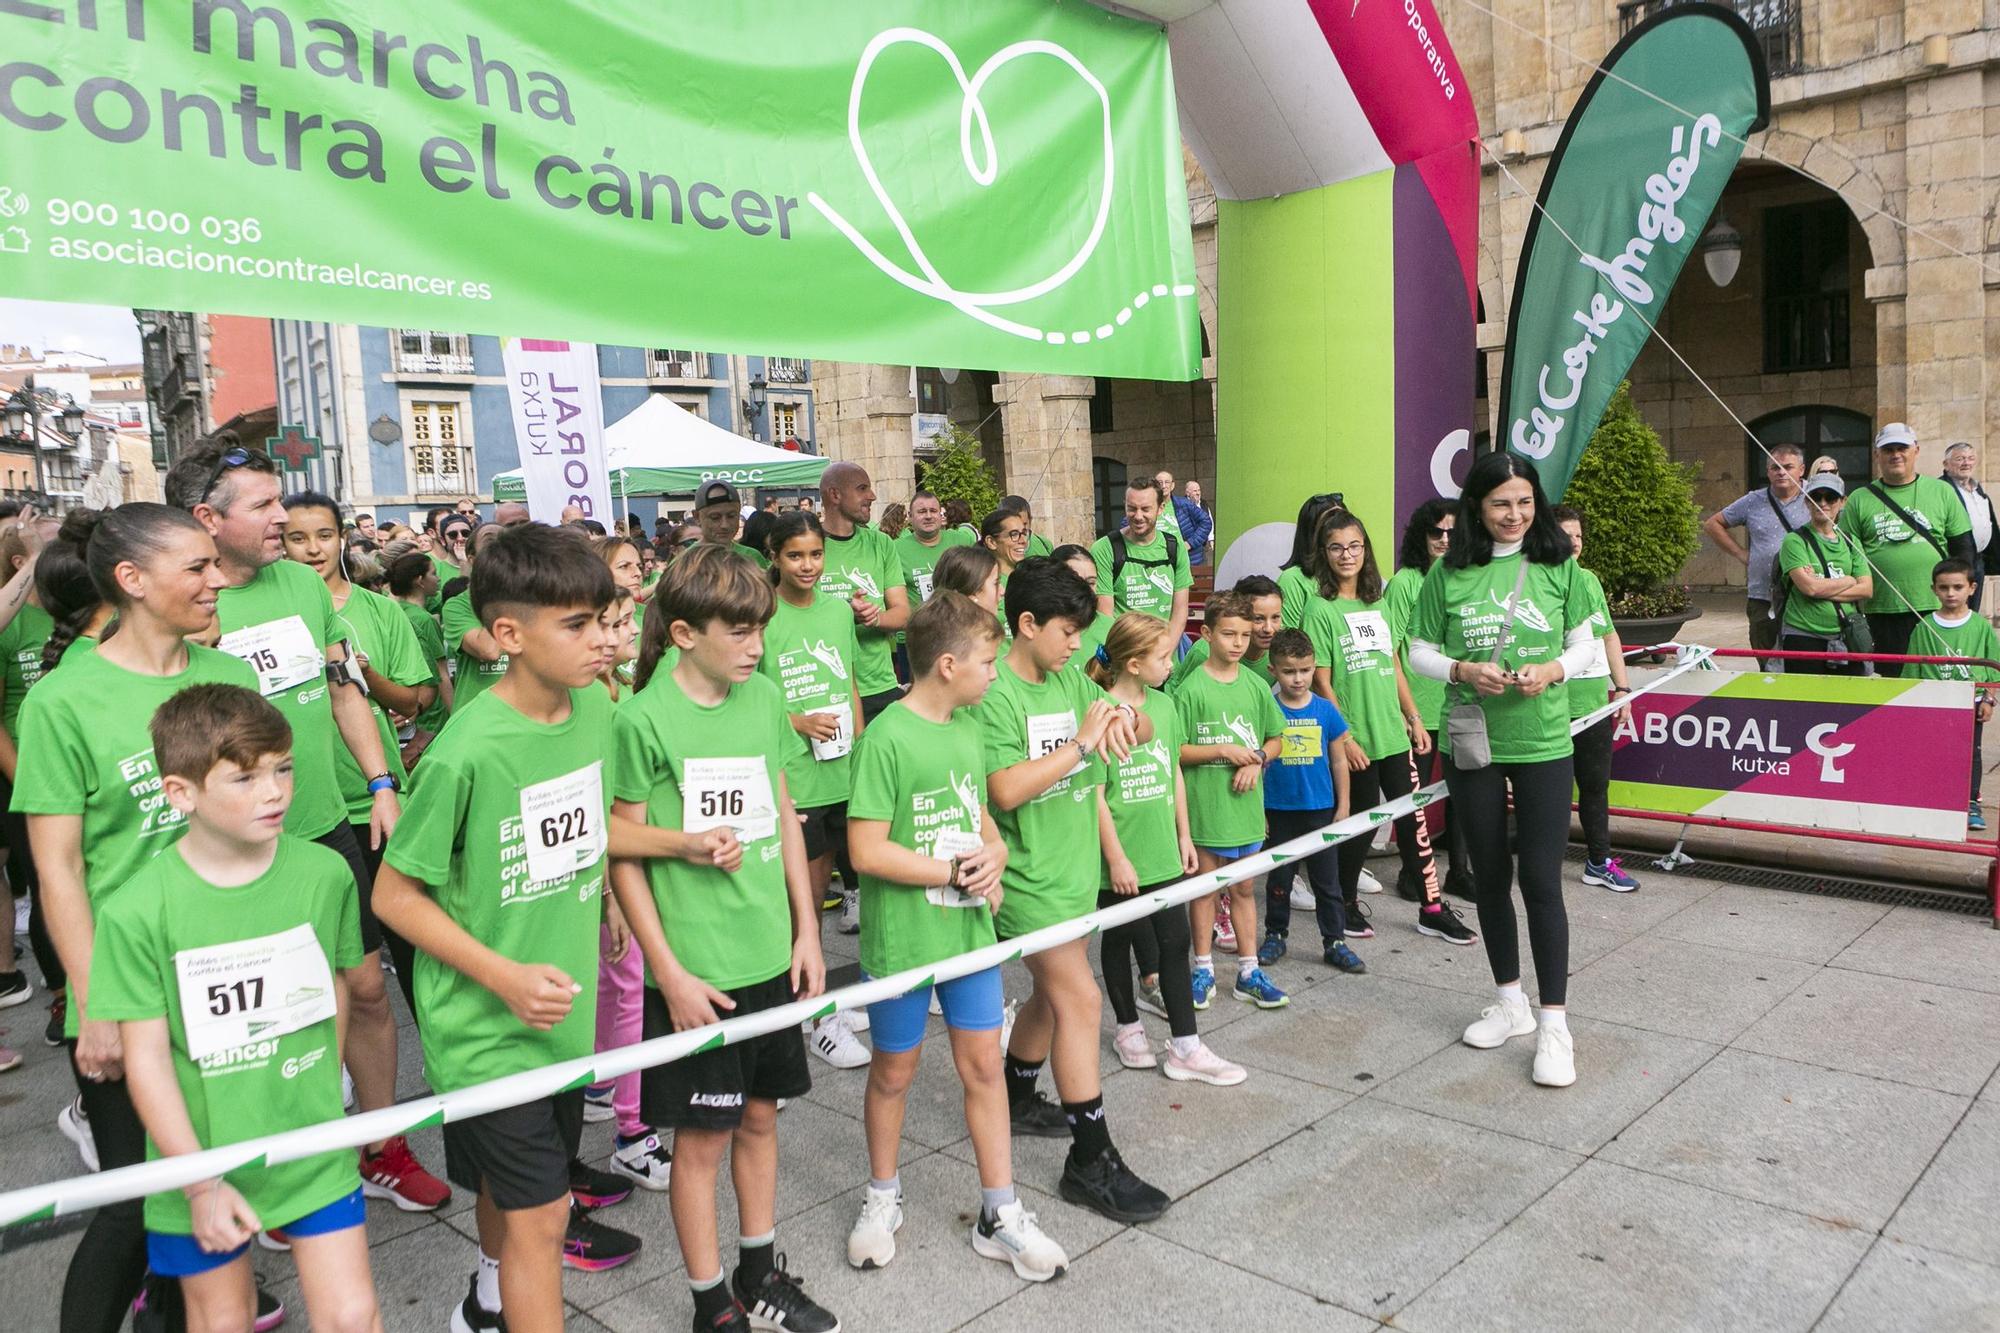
1504	618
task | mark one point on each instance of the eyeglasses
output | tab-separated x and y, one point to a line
1346	548
234	457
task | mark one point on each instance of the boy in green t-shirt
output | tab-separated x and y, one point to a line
1044	723
1267	617
265	928
496	875
1231	727
930	860
720	903
1956	630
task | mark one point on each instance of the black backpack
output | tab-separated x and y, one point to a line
1121	555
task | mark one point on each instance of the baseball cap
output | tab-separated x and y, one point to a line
715	493
1825	481
1895	433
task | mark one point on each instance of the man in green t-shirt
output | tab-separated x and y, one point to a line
920	547
718	512
1044	724
1956	629
261	928
277	617
496	875
863	570
1904	524
722	907
1143	568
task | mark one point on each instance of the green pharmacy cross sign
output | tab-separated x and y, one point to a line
294	446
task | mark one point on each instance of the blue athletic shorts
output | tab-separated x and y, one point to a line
970	1004
182	1256
1236	853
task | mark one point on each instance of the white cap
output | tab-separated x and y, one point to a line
1895	433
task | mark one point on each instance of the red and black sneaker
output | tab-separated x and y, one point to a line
594	1247
395	1174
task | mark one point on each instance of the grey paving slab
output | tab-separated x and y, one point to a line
1429	963
1350	1036
1908	1286
1621	1072
1811	928
1939	947
1661	895
1956	1205
1367	1207
1684	990
1141	1281
1910	1031
1612	1248
1839	1146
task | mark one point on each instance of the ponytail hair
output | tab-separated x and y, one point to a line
62	581
1133	634
131	533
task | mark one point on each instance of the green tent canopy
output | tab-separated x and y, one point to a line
661	448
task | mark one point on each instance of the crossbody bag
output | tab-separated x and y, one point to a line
1909	521
1854	632
1465	724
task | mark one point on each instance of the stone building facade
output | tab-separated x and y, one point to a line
1839	318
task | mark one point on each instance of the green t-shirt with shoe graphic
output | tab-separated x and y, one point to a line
1232	712
809	653
281	624
865	562
1355	642
1148	580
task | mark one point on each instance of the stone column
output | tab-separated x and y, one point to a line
864	415
1046	419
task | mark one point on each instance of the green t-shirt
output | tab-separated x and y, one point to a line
242	1074
919	560
1399	599
1198	654
750	553
446	572
1902	557
21	661
1214	712
1140	794
1052	843
1038	545
1816	615
1589	693
1147	582
923	779
1971	637
1462	610
1355	641
372	625
472	677
1090	638
865	562
729	930
809	654
1296	592
507	826
281	623
430	643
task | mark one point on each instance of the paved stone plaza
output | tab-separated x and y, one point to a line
1786	1118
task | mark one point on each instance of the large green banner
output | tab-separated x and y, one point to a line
978	183
1624	200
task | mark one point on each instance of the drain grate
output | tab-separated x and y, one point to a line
1964	902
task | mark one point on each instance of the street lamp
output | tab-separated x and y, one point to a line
754	400
1721	252
21	419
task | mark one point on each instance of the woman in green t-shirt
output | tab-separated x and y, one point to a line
1359	668
1504	617
1830	581
1298	578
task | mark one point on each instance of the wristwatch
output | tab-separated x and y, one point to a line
382	782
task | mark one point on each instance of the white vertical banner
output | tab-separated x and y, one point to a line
558	410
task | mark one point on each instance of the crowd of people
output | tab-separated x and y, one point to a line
573	788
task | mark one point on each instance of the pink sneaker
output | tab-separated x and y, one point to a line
1225	930
1134	1051
1204	1066
11	1059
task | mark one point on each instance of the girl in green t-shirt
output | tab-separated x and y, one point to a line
1505	617
1358	662
1297	579
974	571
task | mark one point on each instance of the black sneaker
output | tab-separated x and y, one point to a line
1444	924
1107	1186
472	1317
1357	927
593	1247
270	1310
14	987
731	1320
596	1189
780	1302
1409	887
58	1012
1458	883
1040	1118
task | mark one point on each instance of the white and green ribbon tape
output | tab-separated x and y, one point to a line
61	1197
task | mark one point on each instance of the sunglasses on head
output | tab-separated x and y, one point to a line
234	457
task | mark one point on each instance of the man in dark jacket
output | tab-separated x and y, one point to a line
1961	469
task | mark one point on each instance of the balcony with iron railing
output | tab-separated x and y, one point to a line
787	369
673	363
441	472
1778	24
421	352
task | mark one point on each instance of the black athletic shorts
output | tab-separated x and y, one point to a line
873	704
825	829
707	1090
341	838
520	1155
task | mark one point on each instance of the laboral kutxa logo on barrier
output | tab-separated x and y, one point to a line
1860	754
997	185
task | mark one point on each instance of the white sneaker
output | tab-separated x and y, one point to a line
872	1242
75	1127
21	917
1555	1056
1134	1050
834	1043
1370	884
1498	1023
856	1018
1007	1023
346	1089
645	1162
1302	897
1014	1236
850	912
274	1241
937	1009
597	1106
1204	1066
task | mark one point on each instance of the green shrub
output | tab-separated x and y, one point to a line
1639	511
958	472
